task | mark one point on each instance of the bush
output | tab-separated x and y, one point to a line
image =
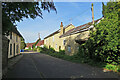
51	50
118	68
112	67
62	51
39	49
34	49
29	48
104	43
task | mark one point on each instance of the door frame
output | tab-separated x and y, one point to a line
14	49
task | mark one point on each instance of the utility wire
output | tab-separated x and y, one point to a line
65	15
77	15
83	12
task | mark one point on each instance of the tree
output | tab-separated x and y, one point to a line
16	11
23	45
104	43
33	46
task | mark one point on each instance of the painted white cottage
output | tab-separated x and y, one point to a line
14	43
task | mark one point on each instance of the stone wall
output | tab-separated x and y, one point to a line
5	44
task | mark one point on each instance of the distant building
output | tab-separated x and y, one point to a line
15	42
29	45
40	43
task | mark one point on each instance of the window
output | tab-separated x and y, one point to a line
77	48
56	45
59	47
10	35
53	38
10	49
49	46
64	41
69	49
17	48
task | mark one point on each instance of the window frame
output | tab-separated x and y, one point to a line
69	48
64	42
10	49
10	35
56	45
17	48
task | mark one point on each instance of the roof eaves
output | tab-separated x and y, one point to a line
74	31
58	30
52	34
68	25
14	29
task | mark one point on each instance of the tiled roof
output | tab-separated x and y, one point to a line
57	31
52	34
14	29
29	44
40	43
67	25
79	28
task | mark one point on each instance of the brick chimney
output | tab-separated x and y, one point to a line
61	28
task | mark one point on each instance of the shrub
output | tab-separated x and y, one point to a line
62	51
52	50
45	47
29	48
104	43
39	49
111	67
118	68
34	49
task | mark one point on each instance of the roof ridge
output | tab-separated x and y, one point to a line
58	30
72	30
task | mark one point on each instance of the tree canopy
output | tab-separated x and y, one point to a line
104	43
23	45
16	11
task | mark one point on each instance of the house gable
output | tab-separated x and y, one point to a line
69	27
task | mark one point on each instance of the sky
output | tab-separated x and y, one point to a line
77	13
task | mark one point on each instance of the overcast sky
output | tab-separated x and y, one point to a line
77	13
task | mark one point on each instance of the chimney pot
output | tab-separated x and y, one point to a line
61	28
61	23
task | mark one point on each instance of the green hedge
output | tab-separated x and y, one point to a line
104	43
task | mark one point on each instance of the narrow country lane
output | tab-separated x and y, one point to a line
36	65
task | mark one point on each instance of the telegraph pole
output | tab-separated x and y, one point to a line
93	18
39	35
92	13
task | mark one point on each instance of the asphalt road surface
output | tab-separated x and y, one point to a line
37	65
